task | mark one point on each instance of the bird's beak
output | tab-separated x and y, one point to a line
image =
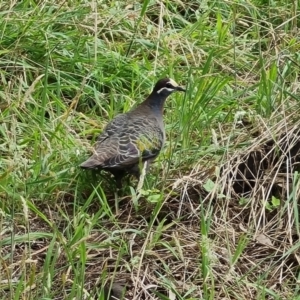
181	89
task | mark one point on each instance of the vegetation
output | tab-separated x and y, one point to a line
217	217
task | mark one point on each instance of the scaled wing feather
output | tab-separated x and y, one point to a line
141	139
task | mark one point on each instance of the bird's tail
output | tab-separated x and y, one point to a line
91	163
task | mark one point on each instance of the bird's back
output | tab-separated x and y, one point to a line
128	139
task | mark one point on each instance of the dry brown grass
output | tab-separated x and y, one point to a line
228	233
226	221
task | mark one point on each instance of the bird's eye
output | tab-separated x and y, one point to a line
169	85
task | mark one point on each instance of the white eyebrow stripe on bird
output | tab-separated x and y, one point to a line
165	88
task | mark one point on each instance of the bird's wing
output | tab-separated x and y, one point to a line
114	127
107	144
125	141
140	139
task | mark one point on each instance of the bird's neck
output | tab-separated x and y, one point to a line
155	101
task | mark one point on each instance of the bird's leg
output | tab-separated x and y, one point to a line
118	181
135	171
118	176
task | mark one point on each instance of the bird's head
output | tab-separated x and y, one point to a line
165	87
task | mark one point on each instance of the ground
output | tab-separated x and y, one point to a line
217	216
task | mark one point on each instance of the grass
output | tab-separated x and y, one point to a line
218	215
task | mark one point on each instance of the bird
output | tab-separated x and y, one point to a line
133	138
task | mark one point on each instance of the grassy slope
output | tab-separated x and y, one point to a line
66	69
